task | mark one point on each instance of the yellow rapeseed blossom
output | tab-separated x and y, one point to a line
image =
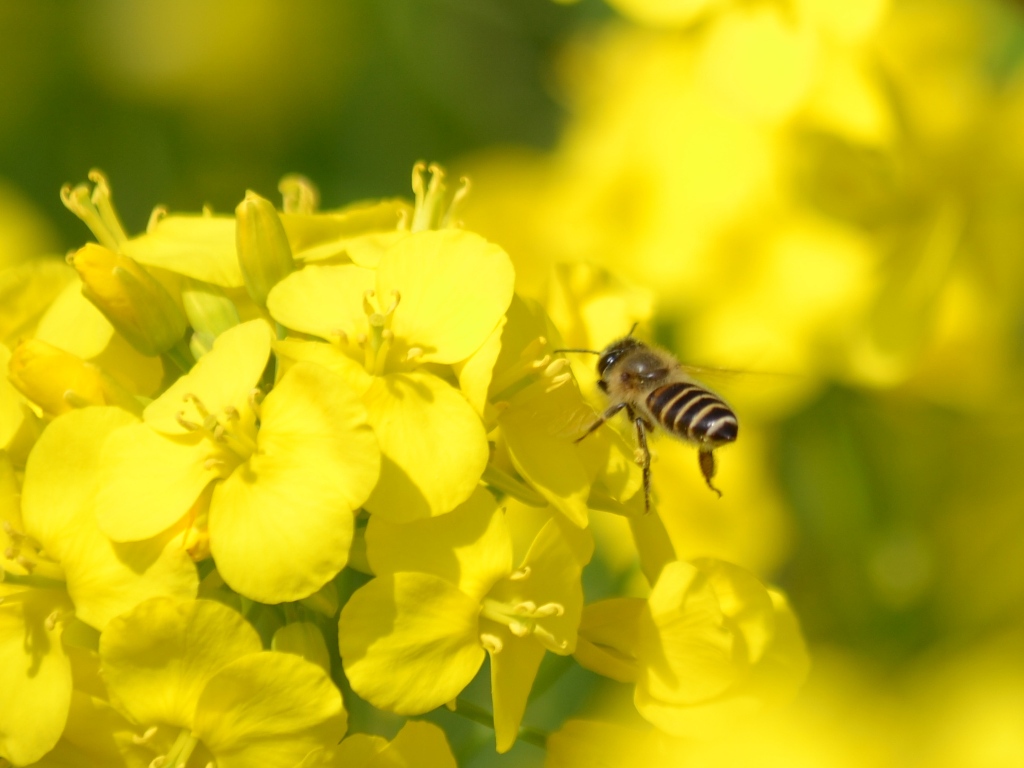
233	421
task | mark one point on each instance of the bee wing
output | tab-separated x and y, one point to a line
708	372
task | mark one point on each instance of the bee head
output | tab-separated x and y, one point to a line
614	352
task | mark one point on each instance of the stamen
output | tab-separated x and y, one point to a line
557	381
557	367
232	413
77	200
25	562
214	464
367	306
491	643
155	216
103	200
145	737
256	400
457	199
197	403
518	628
191	426
413	353
341	335
158	762
74	399
550	609
418	189
207	211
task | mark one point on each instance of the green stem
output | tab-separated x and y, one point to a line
478	714
181	356
39	582
507	484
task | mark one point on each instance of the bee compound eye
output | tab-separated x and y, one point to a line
606	360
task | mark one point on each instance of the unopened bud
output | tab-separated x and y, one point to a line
130	298
209	311
45	374
264	253
58	381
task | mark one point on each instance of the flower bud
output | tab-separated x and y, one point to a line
130	298
264	253
209	311
55	380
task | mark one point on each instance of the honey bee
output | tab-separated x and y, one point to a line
654	388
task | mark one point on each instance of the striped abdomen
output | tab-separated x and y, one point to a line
691	412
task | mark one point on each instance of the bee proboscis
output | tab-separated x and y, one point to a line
654	388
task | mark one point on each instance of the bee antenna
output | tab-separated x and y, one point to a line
633	328
588	351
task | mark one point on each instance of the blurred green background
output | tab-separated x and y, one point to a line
881	483
186	103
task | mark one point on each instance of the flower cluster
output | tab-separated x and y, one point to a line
251	461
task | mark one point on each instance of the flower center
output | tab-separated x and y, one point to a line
522	619
532	362
23	552
376	343
230	431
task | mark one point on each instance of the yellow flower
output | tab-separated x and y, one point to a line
62	479
413	637
434	298
196	671
280	511
418	745
36	673
709	645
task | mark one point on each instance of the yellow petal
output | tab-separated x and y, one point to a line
148	481
745	601
323	301
104	579
409	642
281	525
454	287
202	247
686	651
608	638
433	446
74	324
61	476
513	671
26	292
268	709
223	378
475	371
157	659
291	351
418	744
35	675
470	546
539	430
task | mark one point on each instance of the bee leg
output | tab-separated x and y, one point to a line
707	468
645	455
604	417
